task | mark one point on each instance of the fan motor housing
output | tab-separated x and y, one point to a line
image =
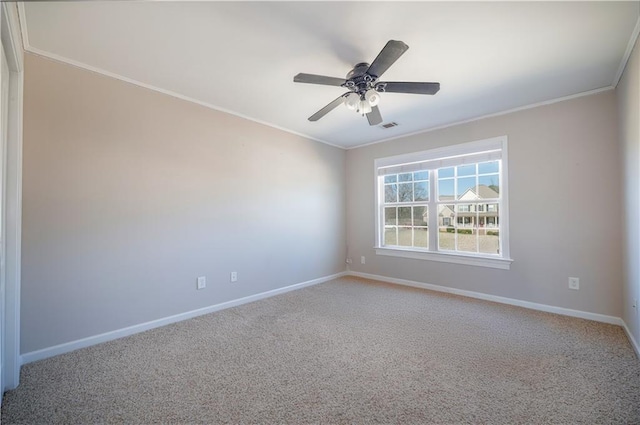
358	80
358	70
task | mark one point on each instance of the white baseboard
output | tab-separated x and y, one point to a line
503	300
632	340
119	333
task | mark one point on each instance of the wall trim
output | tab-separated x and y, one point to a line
11	40
502	300
495	114
632	340
120	333
627	53
30	49
22	19
131	330
445	257
81	65
90	68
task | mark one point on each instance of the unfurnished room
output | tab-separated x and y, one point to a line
320	212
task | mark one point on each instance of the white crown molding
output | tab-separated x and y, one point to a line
495	114
62	59
627	54
90	68
28	48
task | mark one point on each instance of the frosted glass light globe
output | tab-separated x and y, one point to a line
372	96
352	101
365	108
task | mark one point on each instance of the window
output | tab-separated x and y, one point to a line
405	209
447	204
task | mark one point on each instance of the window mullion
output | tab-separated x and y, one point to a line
381	217
433	211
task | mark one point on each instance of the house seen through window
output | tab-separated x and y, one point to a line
448	201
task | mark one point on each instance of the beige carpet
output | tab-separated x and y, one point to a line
347	351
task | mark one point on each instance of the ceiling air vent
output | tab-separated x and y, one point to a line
389	125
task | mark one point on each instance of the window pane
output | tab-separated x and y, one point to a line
446	215
446	239
445	172
488	186
406	177
446	222
405	236
404	216
405	192
467	240
391	193
390	237
420	237
421	191
466	186
420	216
421	175
492	208
445	190
488	167
390	216
391	178
466	170
489	241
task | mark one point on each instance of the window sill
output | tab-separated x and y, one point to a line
469	260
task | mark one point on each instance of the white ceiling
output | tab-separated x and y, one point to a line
241	57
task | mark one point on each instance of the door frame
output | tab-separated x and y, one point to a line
12	42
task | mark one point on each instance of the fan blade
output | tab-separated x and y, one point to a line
318	79
407	87
387	56
374	116
330	107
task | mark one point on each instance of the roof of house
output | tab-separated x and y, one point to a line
481	192
485	192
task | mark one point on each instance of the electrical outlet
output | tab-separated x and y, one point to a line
363	260
202	282
574	283
234	276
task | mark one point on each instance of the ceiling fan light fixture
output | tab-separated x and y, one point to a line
363	95
352	101
365	107
372	96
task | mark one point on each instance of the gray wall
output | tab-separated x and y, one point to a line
564	199
129	195
628	92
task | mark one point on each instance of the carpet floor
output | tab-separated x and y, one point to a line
346	351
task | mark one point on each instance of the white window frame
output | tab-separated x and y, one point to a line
431	160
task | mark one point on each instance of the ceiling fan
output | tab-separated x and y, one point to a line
364	87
